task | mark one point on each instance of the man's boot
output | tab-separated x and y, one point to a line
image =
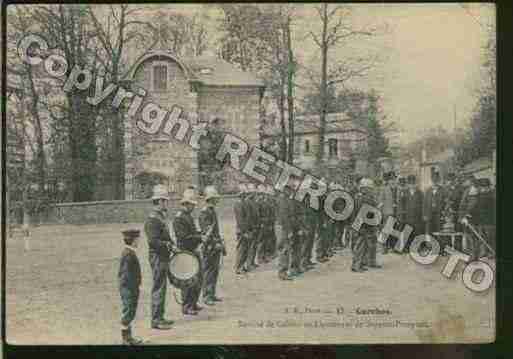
128	339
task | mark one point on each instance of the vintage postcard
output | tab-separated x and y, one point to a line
250	173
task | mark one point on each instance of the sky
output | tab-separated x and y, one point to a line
429	57
430	60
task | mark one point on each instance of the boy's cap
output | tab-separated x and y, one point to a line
131	233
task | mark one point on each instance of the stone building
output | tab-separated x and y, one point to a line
205	86
345	145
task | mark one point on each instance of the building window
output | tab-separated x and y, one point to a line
160	77
333	147
307	146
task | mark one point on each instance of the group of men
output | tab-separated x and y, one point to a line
205	242
255	216
305	233
270	225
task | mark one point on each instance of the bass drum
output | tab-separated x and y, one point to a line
185	269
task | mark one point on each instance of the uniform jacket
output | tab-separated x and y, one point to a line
157	232
413	215
129	274
187	235
369	199
291	214
386	197
481	208
402	192
253	211
242	216
433	203
467	198
207	220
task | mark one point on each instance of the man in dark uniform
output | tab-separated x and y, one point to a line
387	200
486	204
243	216
160	246
311	223
129	280
264	215
433	205
272	204
289	219
213	246
480	213
324	230
413	209
188	238
402	189
299	235
365	241
253	202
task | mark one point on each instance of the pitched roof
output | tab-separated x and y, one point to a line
207	70
212	71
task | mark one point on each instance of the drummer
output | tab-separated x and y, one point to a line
188	239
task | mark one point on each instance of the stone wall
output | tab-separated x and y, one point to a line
175	160
132	211
239	108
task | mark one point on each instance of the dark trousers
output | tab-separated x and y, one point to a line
241	258
160	273
359	249
263	249
190	295
371	241
323	242
211	264
270	243
284	248
308	244
296	252
253	247
129	300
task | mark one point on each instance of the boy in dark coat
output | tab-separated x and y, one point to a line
129	277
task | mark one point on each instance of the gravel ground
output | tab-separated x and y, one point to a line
64	291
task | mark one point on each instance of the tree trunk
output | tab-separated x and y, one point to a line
281	106
290	88
40	153
82	139
324	70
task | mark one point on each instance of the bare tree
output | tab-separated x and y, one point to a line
116	32
336	28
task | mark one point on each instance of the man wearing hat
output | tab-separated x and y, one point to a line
481	215
188	238
365	241
291	230
243	217
270	242
387	204
267	224
129	281
434	200
253	202
402	189
413	208
263	220
160	246
213	246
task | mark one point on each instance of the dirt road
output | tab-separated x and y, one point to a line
64	291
